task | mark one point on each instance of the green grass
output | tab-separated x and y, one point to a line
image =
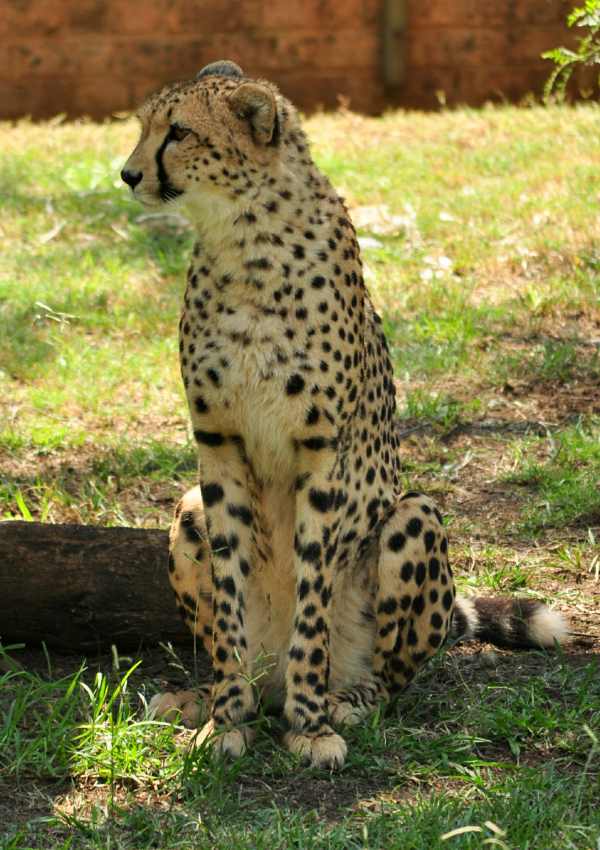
437	408
558	362
490	294
566	482
522	755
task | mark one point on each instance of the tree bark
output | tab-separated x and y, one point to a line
84	587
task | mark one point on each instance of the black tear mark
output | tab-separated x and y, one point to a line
166	189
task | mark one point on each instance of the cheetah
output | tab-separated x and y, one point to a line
306	573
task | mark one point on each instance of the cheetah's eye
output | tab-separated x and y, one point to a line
177	133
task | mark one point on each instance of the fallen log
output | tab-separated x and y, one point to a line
79	587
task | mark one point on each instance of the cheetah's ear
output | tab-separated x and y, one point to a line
256	104
221	68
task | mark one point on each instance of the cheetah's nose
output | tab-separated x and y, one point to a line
132	178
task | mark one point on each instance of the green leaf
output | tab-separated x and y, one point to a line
24	510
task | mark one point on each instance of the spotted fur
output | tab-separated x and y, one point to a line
298	562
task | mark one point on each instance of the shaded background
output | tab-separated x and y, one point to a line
95	57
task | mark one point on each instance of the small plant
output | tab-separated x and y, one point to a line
586	55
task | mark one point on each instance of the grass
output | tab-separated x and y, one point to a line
566	483
518	756
488	280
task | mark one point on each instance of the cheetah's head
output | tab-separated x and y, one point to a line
211	139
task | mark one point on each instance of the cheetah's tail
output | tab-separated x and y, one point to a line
508	623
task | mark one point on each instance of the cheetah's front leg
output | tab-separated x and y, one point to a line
228	513
310	735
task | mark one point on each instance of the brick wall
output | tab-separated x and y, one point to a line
100	56
477	50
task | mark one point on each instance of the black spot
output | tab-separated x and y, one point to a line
312	417
397	542
311	553
189	601
420	573
295	384
447	600
418	604
259	263
436	620
435	640
318	282
212	494
303	589
191	532
388	606
298	252
209	438
320	499
240	512
219	546
316	657
315	443
434	568
200	405
228	586
414	527
429	540
406	573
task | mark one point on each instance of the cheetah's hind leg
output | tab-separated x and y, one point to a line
413	600
415	595
190	578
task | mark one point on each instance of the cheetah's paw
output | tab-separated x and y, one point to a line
346	714
189	708
326	750
228	741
